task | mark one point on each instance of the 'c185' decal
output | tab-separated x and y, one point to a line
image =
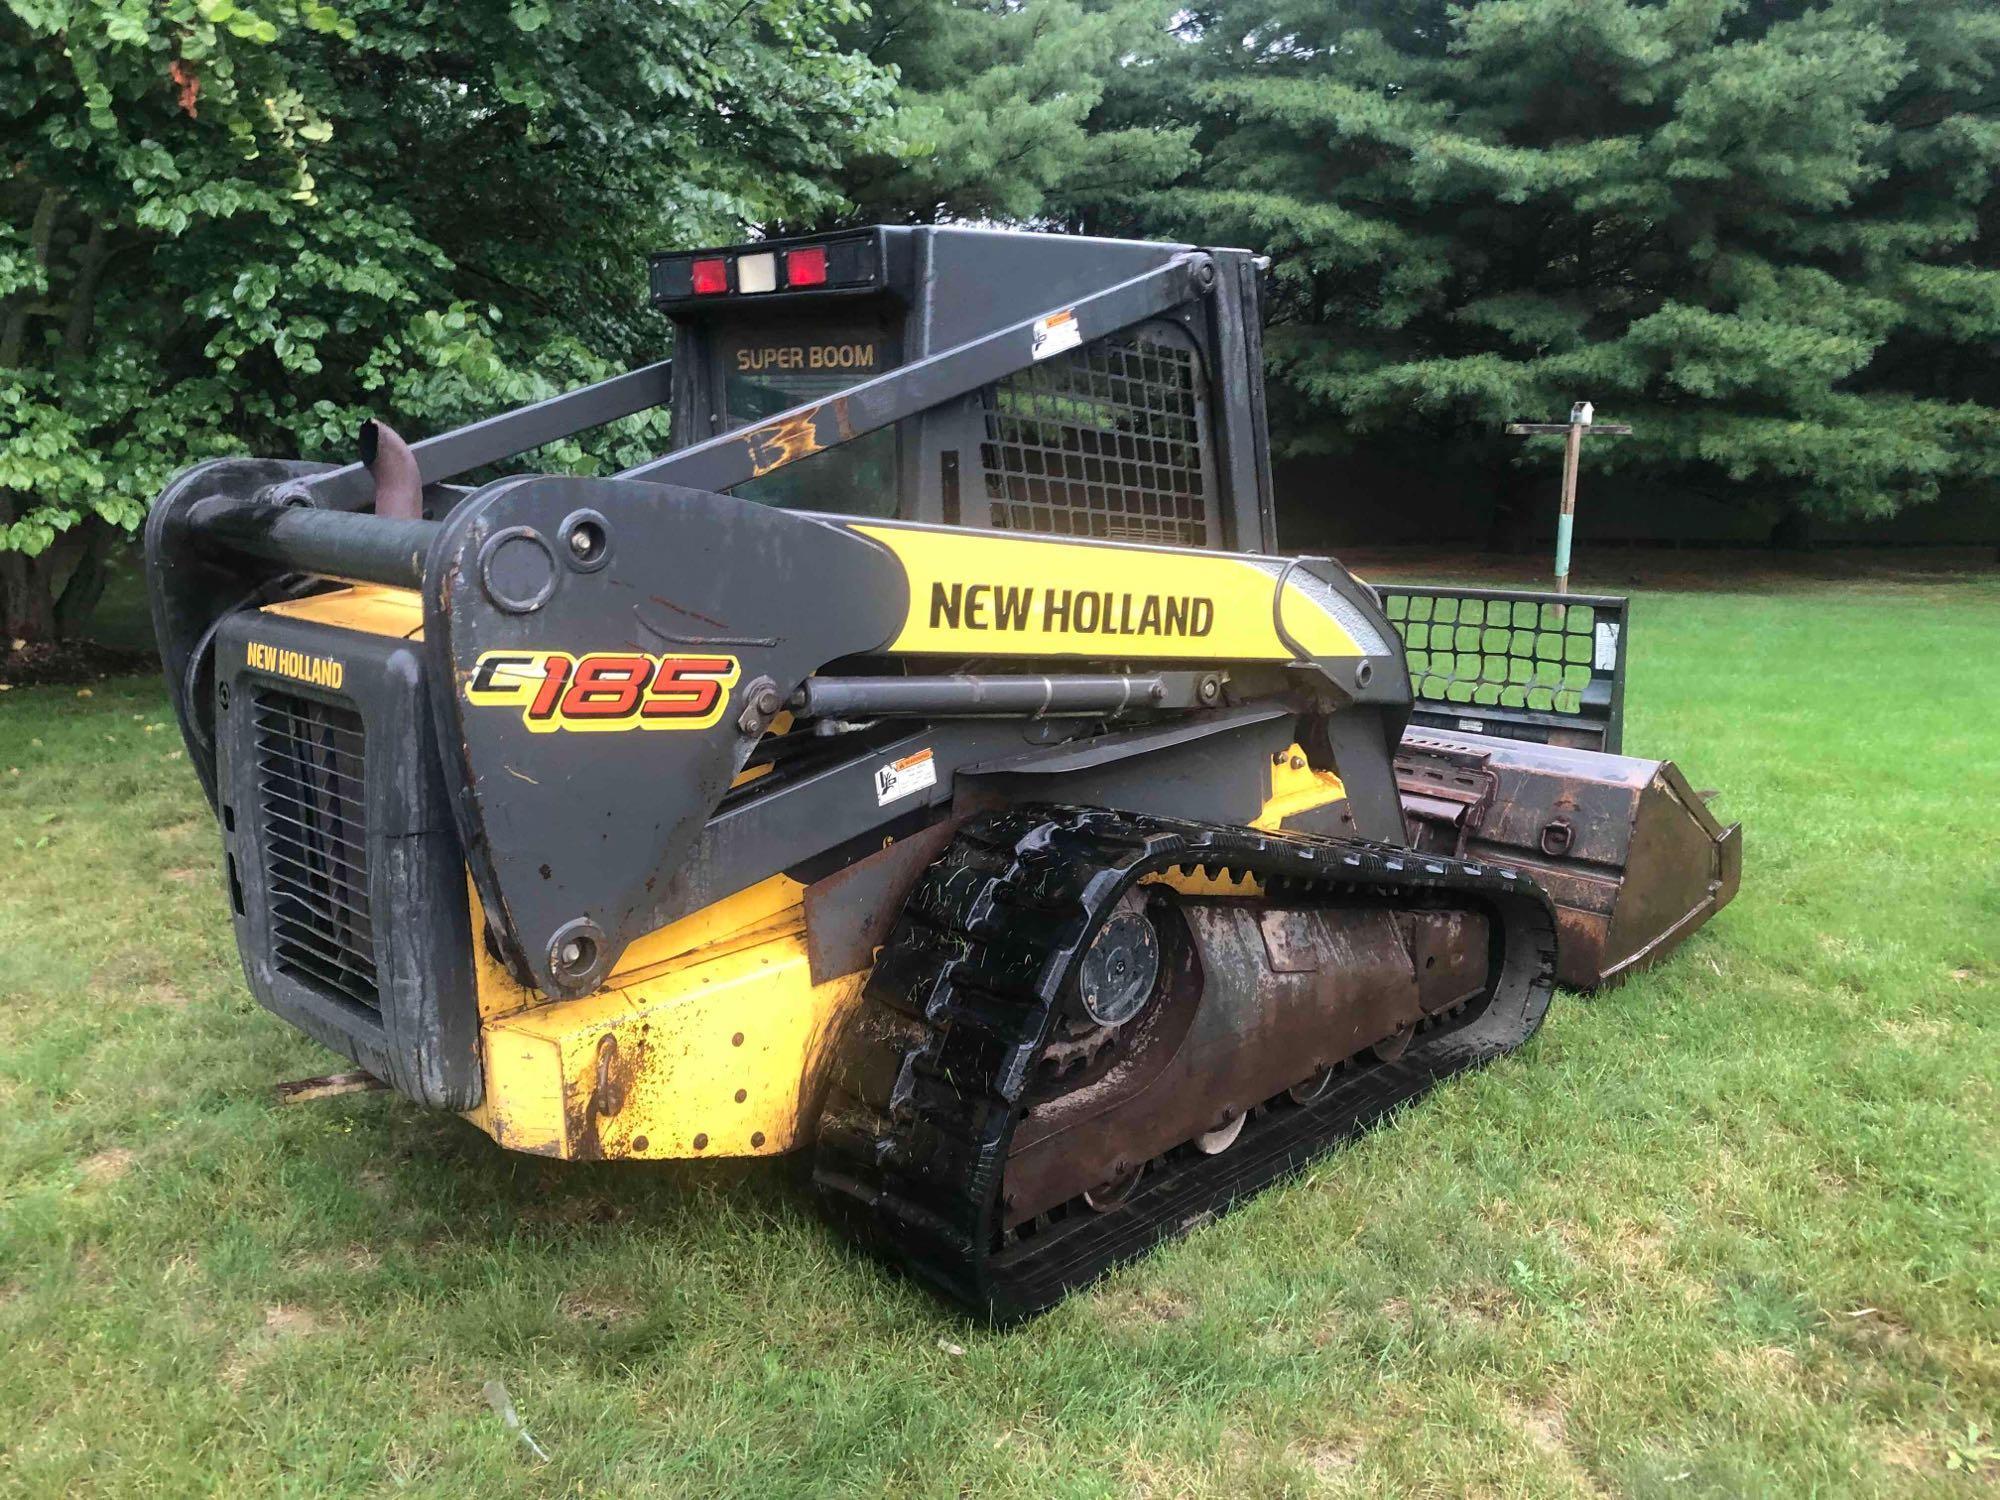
604	690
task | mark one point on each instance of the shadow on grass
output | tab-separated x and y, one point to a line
441	1168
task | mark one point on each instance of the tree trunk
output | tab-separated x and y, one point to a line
85	585
1512	520
16	310
32	608
27	602
1792	531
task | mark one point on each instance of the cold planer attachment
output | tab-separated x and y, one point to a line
1629	852
929	761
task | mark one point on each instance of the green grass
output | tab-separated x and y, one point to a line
1731	1230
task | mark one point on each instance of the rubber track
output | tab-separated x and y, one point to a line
932	1075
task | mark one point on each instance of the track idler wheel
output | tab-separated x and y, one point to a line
1314	1088
1116	976
1215	1142
1393	1045
1116	1193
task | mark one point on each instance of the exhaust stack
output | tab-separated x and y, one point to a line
399	483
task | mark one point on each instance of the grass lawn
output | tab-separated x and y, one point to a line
1734	1229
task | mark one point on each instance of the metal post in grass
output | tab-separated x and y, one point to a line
1573	430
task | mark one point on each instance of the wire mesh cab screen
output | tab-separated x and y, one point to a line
1517	664
1106	440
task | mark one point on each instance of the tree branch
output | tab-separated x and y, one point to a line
14	333
83	297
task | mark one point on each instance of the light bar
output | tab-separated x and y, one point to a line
710	277
806	267
846	262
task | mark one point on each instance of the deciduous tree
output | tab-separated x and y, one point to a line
242	227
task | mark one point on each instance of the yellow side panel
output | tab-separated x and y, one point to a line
714	1054
365	607
498	992
986	593
1195	883
529	1116
751	908
1296	788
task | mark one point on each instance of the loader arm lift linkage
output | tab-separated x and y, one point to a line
930	761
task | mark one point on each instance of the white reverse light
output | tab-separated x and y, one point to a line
757	273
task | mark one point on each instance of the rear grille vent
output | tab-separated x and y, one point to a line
311	764
1104	441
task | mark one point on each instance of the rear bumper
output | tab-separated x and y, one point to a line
346	878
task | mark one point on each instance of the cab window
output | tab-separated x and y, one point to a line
776	367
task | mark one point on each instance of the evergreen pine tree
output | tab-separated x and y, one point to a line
1000	116
1762	231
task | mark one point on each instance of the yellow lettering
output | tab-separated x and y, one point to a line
320	671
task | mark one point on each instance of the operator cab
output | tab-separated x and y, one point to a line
1119	437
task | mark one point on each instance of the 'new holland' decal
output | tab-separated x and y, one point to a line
985	593
283	661
994	606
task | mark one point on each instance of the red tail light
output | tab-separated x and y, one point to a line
710	276
806	267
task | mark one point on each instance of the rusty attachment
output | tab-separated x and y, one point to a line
1628	851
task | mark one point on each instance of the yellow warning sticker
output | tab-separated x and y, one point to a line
1057	332
903	778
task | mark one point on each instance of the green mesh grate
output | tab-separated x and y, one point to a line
1471	651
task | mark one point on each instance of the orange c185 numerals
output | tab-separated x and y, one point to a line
604	690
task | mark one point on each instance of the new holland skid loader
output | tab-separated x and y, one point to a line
930	763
